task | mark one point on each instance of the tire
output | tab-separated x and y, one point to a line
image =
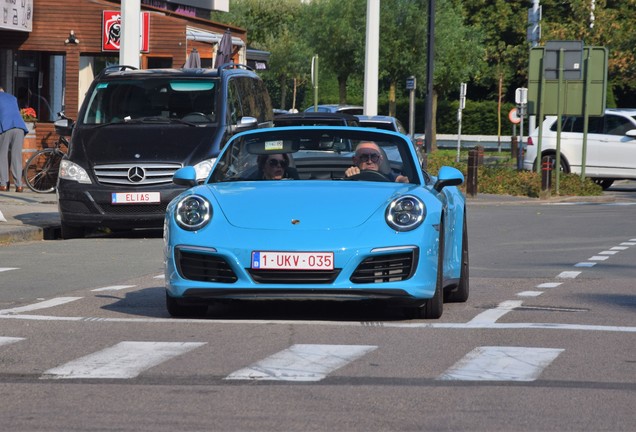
178	310
70	232
41	171
604	183
434	307
459	294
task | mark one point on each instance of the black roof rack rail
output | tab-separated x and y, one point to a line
234	66
116	68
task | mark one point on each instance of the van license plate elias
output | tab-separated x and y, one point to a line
136	197
272	260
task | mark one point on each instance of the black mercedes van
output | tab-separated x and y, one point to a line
137	127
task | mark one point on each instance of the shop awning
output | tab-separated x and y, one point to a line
200	35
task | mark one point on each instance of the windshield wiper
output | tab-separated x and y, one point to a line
147	120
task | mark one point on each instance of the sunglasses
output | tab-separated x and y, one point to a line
276	162
365	157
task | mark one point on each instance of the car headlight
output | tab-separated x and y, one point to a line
74	172
193	212
405	213
203	169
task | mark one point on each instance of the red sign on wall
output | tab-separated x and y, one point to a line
111	31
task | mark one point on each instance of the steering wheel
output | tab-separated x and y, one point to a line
196	114
370	175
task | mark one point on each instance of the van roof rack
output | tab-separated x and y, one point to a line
116	68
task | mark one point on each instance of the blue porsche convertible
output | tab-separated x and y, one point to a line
325	213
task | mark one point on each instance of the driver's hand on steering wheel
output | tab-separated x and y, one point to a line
351	171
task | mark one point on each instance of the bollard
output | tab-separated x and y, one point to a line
480	155
471	177
546	176
514	143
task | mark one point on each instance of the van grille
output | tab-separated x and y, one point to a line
136	174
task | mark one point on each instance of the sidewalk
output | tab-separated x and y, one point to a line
27	216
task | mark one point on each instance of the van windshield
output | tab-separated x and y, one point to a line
154	100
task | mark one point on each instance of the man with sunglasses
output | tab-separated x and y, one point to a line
368	157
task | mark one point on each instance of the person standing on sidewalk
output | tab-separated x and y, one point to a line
12	131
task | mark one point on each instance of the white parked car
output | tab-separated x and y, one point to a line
611	145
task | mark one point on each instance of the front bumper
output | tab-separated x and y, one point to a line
91	206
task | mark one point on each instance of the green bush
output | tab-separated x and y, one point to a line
499	175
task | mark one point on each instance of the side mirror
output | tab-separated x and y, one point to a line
631	133
245	123
448	176
64	127
186	176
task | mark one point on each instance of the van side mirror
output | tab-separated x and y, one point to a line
631	133
64	127
245	123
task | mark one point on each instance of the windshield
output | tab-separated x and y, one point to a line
316	153
155	99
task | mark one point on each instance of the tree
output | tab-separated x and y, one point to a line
336	30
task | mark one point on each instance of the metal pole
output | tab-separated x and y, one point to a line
428	133
372	58
130	29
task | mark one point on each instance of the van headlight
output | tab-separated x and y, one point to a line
193	212
203	169
74	172
405	213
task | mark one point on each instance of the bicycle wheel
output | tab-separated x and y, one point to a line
41	171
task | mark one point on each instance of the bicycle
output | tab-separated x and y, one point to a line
41	169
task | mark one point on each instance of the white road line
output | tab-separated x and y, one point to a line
549	285
529	293
492	315
492	363
419	325
302	362
598	258
3	269
9	340
113	288
608	252
161	276
123	360
619	248
568	274
628	244
584	264
41	305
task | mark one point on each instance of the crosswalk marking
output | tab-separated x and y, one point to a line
124	360
9	340
302	362
492	363
40	305
568	274
113	288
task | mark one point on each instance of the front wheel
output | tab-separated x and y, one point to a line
41	171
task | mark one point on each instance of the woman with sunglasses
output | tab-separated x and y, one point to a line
275	167
368	157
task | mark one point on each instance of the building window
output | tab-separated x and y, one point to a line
39	83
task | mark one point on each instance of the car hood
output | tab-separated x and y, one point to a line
313	205
144	143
